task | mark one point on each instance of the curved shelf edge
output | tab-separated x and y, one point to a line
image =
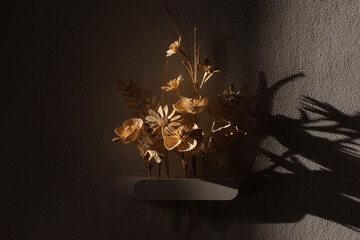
183	189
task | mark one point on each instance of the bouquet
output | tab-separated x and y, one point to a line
159	128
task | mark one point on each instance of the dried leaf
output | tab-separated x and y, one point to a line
220	99
232	88
136	114
226	94
125	94
129	100
121	82
122	88
211	112
135	107
138	93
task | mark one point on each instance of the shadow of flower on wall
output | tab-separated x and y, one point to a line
317	174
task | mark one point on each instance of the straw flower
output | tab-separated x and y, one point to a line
153	154
209	70
174	48
161	118
190	105
207	67
129	131
173	85
181	137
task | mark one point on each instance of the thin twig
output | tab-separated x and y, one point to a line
193	164
173	22
163	93
184	164
166	160
159	170
149	171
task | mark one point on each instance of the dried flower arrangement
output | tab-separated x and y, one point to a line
157	130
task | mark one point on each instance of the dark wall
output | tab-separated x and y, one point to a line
299	168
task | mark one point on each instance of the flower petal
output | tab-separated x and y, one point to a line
167	131
119	130
203	102
166	110
174	124
155	127
180	106
177	117
153	113
160	111
170	52
117	139
133	136
187	145
190	125
151	119
171	114
171	142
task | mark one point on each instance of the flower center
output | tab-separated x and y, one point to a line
164	121
181	132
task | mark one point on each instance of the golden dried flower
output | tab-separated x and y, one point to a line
153	154
181	137
173	85
161	118
190	105
174	48
129	131
207	67
209	70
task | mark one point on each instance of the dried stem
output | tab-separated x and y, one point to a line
163	93
193	164
173	22
184	164
188	62
166	161
188	69
218	129
206	77
149	170
178	93
159	170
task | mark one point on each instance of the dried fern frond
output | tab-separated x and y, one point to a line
196	61
136	98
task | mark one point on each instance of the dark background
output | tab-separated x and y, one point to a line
60	61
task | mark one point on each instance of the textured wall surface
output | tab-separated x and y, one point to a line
301	60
